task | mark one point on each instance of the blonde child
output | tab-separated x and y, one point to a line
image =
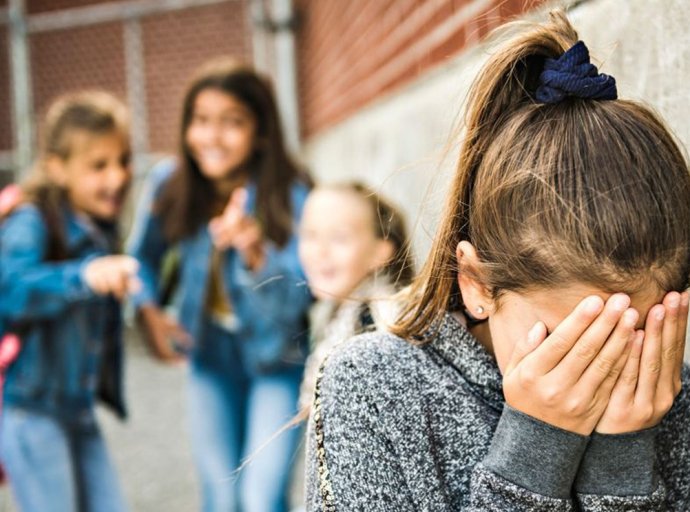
537	361
60	286
353	246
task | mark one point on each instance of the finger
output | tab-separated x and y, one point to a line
99	285
223	238
247	238
610	357
160	345
670	345
534	338
182	338
117	284
560	342
235	207
607	386
129	264
134	285
224	233
650	363
682	333
627	382
566	334
214	225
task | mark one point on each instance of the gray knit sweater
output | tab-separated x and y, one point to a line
425	428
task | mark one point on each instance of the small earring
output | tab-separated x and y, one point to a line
479	310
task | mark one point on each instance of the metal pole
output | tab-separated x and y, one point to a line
135	74
22	111
258	27
286	73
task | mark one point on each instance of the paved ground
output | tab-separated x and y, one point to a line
151	450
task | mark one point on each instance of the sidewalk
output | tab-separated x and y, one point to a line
151	450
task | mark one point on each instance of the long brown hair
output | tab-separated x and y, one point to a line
186	201
579	191
94	112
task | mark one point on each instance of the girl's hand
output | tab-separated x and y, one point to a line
116	275
651	379
565	379
233	228
161	332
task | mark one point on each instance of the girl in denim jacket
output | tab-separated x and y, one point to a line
229	205
60	286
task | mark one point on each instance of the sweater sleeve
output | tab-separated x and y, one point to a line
351	465
530	465
618	473
354	456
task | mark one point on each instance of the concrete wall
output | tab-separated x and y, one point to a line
398	143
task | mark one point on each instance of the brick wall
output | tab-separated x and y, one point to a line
173	44
5	95
82	58
40	6
353	51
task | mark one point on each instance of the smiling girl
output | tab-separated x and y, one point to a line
60	287
355	253
230	204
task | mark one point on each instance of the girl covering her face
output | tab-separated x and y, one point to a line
537	361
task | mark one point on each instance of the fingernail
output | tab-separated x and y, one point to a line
533	334
660	313
674	300
620	302
684	299
593	304
639	337
629	318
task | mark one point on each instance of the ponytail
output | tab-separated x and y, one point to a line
545	192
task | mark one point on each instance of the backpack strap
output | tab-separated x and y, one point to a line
325	487
365	320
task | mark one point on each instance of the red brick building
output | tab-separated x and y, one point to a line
353	52
349	52
141	50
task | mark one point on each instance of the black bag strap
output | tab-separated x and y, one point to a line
325	487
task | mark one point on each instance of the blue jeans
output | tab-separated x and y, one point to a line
242	456
52	466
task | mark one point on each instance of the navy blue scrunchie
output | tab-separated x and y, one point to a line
572	74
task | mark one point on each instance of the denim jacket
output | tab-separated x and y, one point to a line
270	305
71	338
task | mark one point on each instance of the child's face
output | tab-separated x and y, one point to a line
96	175
518	312
338	246
220	135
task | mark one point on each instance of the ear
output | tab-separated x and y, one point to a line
55	168
383	252
475	295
